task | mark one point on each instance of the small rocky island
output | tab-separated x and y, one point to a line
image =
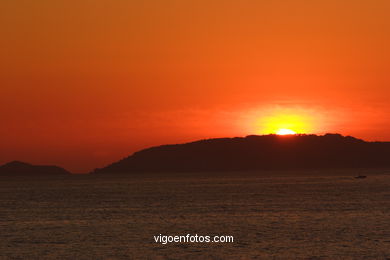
26	169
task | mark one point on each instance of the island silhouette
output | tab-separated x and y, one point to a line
254	153
22	168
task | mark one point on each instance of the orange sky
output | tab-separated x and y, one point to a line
84	83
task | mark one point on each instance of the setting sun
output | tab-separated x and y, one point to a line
284	131
288	121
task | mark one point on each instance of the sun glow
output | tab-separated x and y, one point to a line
284	131
288	121
286	124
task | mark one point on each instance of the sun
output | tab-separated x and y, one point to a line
286	121
284	131
283	120
285	124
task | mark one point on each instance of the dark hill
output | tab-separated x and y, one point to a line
251	153
21	168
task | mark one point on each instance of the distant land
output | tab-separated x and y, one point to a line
22	168
253	153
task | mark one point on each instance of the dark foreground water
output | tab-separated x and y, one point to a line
116	217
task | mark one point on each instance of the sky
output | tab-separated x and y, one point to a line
85	83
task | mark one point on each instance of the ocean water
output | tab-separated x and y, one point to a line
312	216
